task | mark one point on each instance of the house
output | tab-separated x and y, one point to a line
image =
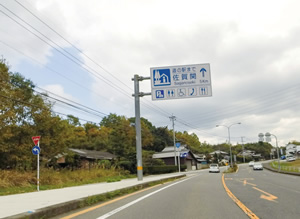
246	153
201	158
186	157
290	149
87	158
218	152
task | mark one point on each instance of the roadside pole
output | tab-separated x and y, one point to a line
38	169
179	159
173	119
137	96
243	148
36	151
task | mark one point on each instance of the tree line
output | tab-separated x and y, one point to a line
25	113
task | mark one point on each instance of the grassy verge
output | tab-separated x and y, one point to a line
293	166
14	182
231	169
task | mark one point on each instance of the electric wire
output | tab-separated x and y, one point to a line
38	107
73	59
75	47
157	110
184	123
115	86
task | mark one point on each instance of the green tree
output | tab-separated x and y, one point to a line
121	140
24	114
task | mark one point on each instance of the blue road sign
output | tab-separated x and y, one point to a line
183	154
161	77
177	145
36	150
160	94
181	81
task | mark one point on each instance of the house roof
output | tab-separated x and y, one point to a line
90	154
169	152
218	152
166	154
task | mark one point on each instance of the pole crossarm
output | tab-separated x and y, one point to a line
141	78
141	94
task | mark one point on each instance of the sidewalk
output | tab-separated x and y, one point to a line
30	204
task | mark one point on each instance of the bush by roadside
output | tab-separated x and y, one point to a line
163	169
13	181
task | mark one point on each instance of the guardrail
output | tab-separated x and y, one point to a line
283	170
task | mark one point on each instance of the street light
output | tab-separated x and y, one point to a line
268	139
228	127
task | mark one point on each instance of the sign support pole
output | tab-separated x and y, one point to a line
179	160
175	159
38	169
137	96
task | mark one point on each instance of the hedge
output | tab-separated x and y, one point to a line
163	169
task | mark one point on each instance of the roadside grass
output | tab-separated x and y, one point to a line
14	182
231	169
293	166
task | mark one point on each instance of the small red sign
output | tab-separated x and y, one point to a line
36	139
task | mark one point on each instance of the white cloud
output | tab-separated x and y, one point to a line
253	49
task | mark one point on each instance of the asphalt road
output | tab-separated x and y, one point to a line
267	194
201	195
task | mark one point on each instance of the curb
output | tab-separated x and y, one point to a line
268	167
62	208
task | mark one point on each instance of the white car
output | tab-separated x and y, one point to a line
214	168
258	166
290	159
251	163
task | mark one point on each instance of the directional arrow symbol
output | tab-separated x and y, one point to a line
267	196
245	183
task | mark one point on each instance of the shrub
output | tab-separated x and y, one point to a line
104	164
128	165
163	169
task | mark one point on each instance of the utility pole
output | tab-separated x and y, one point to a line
173	118
137	94
243	148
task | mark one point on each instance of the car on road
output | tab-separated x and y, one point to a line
214	168
258	166
251	163
290	159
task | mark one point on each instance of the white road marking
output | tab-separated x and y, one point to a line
137	200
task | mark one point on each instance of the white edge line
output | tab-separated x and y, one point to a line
137	200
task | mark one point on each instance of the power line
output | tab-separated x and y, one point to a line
158	109
74	59
45	108
88	108
75	47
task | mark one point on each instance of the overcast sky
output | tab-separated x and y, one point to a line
89	50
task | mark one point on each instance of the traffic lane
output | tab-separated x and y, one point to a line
266	194
107	206
202	196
